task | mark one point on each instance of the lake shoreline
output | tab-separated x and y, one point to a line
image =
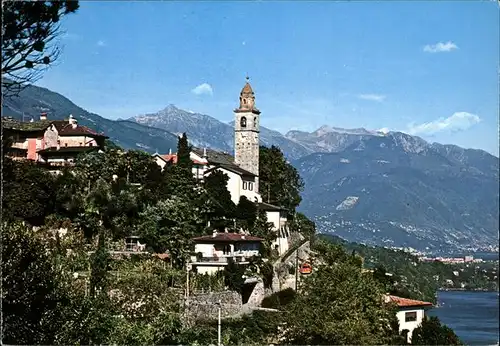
472	314
467	289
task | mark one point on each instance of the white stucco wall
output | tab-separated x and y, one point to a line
205	249
281	239
409	325
160	162
208	269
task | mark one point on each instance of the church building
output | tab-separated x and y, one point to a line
243	168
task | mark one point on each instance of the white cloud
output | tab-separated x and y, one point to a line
101	43
440	47
372	97
459	121
203	89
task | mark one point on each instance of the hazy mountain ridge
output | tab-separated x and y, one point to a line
329	139
206	131
399	190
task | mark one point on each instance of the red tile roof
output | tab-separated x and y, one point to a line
227	237
162	256
405	302
173	158
64	128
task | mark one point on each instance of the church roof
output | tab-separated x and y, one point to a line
214	156
247	89
269	207
233	168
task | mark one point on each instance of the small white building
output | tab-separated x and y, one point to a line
214	251
411	312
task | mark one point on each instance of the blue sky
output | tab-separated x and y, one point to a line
426	68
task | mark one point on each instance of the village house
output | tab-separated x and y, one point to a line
213	252
242	169
55	143
410	313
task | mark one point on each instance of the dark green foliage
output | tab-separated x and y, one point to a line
265	230
28	192
180	180
33	294
110	145
215	185
28	32
267	273
170	225
279	299
338	304
258	328
280	183
99	263
246	213
233	276
432	332
183	153
303	225
411	278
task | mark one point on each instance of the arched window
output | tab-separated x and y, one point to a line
243	122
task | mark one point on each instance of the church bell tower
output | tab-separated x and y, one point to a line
246	133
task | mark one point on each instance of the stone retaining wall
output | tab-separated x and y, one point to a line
204	306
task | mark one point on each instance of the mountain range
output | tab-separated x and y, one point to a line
388	189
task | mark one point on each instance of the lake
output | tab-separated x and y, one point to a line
472	315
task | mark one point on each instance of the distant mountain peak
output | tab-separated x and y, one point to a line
323	130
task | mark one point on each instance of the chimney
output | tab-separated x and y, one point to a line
43	116
72	121
214	234
204	153
170	151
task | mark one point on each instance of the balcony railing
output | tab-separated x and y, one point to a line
223	259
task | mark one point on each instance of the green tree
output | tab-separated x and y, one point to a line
432	332
246	213
215	185
170	225
28	192
303	225
339	305
184	152
29	32
265	230
99	267
34	294
233	276
180	179
279	181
